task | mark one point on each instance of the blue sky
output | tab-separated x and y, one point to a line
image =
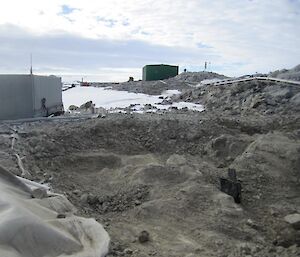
116	38
65	10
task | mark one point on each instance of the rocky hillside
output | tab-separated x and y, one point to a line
253	97
292	74
181	82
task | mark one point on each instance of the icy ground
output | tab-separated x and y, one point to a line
114	100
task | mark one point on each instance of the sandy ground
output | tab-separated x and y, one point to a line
160	173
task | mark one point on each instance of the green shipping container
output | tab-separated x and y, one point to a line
159	72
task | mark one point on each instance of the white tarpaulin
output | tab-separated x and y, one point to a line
30	227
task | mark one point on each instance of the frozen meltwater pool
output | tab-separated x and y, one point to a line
113	100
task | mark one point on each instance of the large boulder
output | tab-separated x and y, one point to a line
73	108
86	105
294	220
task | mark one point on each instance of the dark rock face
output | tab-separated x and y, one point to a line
231	187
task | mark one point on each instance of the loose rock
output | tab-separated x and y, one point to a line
144	237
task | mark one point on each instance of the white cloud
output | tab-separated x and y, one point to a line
260	35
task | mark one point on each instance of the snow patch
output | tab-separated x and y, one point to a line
116	101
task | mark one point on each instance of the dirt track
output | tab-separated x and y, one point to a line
160	173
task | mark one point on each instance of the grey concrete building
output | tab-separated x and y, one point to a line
28	96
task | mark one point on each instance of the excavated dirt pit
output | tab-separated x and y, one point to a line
160	174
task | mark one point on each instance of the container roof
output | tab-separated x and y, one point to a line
161	65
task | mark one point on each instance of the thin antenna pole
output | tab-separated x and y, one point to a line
30	63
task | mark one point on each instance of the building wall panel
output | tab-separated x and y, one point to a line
15	97
50	89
